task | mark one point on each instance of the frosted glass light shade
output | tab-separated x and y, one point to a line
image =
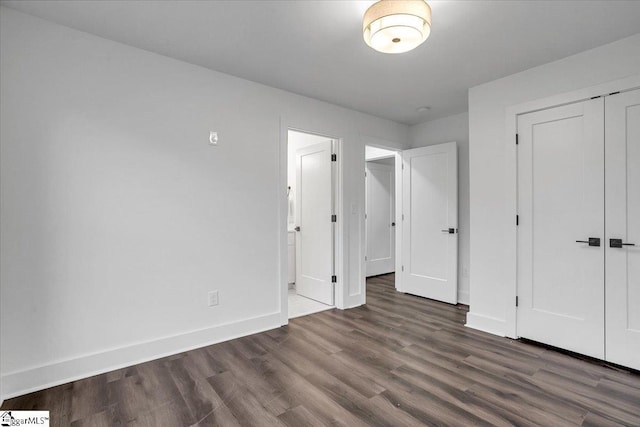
396	26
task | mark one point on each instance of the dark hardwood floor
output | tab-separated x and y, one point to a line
399	360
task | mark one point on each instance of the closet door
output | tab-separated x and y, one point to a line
623	228
560	208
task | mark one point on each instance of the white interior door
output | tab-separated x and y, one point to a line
380	219
560	202
314	237
623	223
430	222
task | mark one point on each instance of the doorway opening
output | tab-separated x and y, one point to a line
419	218
380	212
311	220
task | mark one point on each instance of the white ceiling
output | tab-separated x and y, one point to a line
315	48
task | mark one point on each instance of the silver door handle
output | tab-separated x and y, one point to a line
449	230
297	228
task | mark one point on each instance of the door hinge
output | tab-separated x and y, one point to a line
403	268
334	279
403	166
334	218
517	219
365	257
516	139
403	217
334	157
516	301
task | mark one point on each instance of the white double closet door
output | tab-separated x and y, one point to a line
579	216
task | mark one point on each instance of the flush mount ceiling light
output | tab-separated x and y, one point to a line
397	26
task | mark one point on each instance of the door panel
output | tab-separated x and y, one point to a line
380	217
623	222
314	242
560	201
430	205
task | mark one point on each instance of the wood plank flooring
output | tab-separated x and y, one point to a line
398	361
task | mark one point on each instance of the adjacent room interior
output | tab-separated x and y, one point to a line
380	216
310	234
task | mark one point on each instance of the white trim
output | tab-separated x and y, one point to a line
487	324
283	238
511	174
463	297
61	372
399	221
340	263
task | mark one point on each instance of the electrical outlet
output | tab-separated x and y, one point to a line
213	298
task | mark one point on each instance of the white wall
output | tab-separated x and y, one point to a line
453	128
492	174
118	217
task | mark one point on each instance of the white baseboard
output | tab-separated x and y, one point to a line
56	373
463	297
488	324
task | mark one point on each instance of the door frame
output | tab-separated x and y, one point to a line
511	178
338	240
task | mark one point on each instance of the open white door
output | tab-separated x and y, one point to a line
314	237
380	220
430	222
622	156
561	227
